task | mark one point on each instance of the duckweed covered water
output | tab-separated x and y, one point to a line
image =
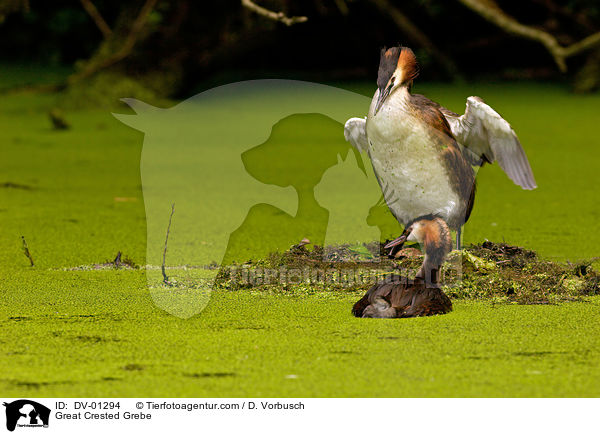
96	332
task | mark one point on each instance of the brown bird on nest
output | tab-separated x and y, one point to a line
422	296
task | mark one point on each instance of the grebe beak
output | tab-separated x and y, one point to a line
397	242
383	94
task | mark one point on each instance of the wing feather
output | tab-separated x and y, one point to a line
484	132
355	132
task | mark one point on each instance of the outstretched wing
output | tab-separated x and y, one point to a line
355	132
484	132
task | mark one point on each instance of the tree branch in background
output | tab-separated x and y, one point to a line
417	36
11	6
92	11
276	16
97	64
8	7
489	10
342	7
577	17
587	78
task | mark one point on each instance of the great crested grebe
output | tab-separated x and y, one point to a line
421	296
423	154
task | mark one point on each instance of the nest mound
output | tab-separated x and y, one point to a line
503	272
494	271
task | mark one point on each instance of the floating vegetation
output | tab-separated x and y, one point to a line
494	271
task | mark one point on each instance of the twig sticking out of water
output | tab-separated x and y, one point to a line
26	251
165	277
58	119
117	260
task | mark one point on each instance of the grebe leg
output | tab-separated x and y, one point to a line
458	238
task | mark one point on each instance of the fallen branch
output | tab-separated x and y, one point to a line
275	16
489	10
26	251
162	268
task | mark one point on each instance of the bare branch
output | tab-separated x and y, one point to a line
417	36
583	45
587	78
121	53
26	251
342	7
577	17
10	6
276	16
162	268
93	12
489	10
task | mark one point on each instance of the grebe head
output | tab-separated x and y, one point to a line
430	231
397	68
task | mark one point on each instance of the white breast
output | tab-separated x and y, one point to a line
411	174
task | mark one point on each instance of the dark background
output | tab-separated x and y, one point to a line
186	46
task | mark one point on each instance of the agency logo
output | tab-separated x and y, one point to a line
238	172
26	413
245	162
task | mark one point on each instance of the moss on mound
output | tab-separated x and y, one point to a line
494	271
